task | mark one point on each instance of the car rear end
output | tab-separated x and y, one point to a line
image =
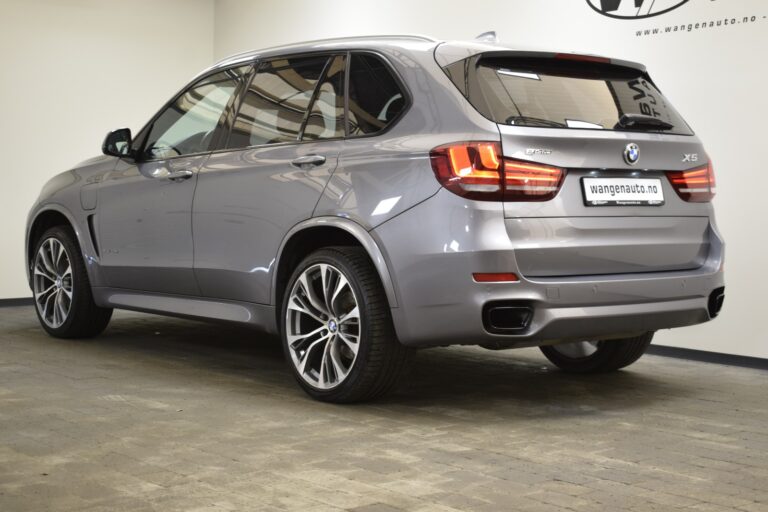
589	216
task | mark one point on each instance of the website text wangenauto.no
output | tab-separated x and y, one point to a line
701	25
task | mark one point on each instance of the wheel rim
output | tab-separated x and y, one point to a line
577	349
323	326
53	285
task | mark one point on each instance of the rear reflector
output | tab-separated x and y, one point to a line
476	170
696	185
501	277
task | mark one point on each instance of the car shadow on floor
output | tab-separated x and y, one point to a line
464	379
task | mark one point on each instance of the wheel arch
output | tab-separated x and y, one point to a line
47	217
320	232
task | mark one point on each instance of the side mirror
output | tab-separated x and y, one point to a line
117	143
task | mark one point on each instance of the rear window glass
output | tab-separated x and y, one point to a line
564	94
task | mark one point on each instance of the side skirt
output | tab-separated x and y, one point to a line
261	316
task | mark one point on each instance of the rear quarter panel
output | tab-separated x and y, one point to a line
381	176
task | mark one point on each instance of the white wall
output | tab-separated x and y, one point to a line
716	77
71	71
65	62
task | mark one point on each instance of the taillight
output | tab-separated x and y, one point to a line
476	170
696	185
531	182
470	169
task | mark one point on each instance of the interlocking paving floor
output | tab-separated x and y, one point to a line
165	414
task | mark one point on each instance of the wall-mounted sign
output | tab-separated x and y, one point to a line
634	9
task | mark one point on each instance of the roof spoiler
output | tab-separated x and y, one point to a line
450	52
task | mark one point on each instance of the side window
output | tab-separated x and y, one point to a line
375	99
276	102
326	116
189	124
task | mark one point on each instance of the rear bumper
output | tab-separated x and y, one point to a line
602	316
440	304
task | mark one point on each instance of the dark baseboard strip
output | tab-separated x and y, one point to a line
709	357
9	303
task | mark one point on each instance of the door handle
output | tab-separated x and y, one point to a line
180	175
308	161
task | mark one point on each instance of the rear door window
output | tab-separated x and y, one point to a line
563	94
276	102
326	116
375	97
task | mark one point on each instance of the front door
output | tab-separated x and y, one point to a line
144	212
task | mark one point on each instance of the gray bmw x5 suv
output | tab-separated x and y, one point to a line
365	197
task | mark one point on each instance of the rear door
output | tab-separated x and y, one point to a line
283	147
616	211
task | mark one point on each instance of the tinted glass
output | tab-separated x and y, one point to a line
276	102
326	116
190	123
548	93
375	98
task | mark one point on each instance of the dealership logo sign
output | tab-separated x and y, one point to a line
634	9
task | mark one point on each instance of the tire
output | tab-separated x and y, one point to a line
67	283
328	364
602	357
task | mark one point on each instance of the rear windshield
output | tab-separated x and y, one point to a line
563	94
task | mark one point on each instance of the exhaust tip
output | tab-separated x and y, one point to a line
507	318
715	303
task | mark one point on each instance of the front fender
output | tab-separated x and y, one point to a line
82	240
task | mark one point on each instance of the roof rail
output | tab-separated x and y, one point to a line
415	37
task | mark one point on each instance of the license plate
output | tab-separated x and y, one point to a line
622	191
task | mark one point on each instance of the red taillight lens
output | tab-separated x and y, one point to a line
470	169
476	170
531	182
696	185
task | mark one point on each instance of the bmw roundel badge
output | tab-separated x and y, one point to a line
632	153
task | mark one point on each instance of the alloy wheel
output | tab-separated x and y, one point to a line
52	282
323	326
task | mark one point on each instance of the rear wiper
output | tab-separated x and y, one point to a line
533	121
642	121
